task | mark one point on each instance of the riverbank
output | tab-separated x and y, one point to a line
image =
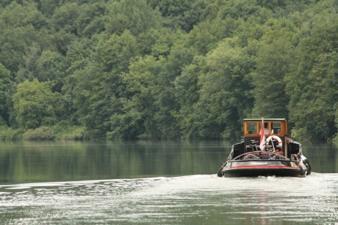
335	140
45	133
63	132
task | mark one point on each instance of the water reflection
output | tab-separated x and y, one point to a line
323	158
28	162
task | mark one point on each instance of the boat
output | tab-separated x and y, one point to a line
265	150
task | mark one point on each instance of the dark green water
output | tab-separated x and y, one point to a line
33	162
156	183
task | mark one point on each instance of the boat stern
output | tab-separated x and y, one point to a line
254	168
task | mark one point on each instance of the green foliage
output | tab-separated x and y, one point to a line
50	66
73	133
39	134
19	26
65	132
164	69
10	134
133	15
144	83
205	36
35	104
114	52
274	57
5	92
335	140
181	13
312	84
48	6
224	91
65	17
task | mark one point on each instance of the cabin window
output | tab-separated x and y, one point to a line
252	128
267	130
276	127
266	125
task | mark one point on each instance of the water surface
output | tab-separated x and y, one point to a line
156	183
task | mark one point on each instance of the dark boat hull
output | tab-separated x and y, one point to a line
255	168
255	172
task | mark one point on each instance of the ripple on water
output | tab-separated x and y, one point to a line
197	199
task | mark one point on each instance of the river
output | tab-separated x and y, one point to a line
156	183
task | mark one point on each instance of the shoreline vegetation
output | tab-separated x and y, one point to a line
72	133
55	133
167	69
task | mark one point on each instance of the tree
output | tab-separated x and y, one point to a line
273	60
205	35
187	95
145	84
336	120
35	104
5	92
312	82
65	17
169	68
224	92
152	99
51	66
19	25
91	18
181	13
133	15
114	52
97	86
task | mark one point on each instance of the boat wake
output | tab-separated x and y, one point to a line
196	199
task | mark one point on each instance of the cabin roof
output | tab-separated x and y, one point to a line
265	119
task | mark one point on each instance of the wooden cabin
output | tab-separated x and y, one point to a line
276	126
272	126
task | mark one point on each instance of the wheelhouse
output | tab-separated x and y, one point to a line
276	126
272	127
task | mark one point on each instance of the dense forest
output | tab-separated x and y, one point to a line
166	69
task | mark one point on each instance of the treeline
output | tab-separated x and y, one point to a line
167	69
